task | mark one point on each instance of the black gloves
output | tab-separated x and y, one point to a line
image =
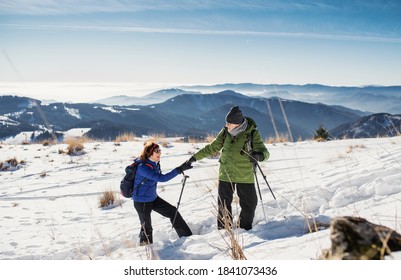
185	166
256	156
191	160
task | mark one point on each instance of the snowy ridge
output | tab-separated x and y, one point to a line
7	121
73	112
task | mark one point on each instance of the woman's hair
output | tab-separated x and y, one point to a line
148	150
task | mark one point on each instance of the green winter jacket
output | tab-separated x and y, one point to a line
235	166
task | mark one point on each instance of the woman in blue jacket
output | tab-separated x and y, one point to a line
145	193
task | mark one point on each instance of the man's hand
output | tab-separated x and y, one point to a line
256	156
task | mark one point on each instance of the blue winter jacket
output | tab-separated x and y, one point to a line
145	190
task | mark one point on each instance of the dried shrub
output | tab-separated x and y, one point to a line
75	146
12	161
10	164
165	144
156	137
125	137
352	147
46	143
107	198
231	237
278	139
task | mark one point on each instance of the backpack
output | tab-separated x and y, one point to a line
127	183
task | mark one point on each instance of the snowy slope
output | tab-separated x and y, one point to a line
49	206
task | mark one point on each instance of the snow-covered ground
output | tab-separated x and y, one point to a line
50	205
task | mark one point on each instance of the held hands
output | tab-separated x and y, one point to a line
185	166
191	160
256	156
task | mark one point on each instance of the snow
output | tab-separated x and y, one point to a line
50	208
22	137
15	114
75	132
73	112
112	109
7	121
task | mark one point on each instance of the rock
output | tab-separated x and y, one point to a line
355	238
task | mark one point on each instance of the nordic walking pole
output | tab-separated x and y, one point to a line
260	194
179	200
264	177
254	162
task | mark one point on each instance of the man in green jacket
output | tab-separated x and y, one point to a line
241	145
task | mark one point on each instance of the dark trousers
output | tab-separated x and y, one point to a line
248	201
165	209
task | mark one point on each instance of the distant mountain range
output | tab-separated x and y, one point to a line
374	99
370	126
152	98
184	113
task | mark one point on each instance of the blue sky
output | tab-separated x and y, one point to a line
353	42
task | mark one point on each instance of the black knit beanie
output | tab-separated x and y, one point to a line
235	116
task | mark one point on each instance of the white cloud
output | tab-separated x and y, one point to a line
206	32
51	7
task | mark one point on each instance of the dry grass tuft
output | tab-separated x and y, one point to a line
156	137
165	144
282	138
107	198
352	147
235	249
46	143
12	161
231	235
75	146
125	137
319	139
10	164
